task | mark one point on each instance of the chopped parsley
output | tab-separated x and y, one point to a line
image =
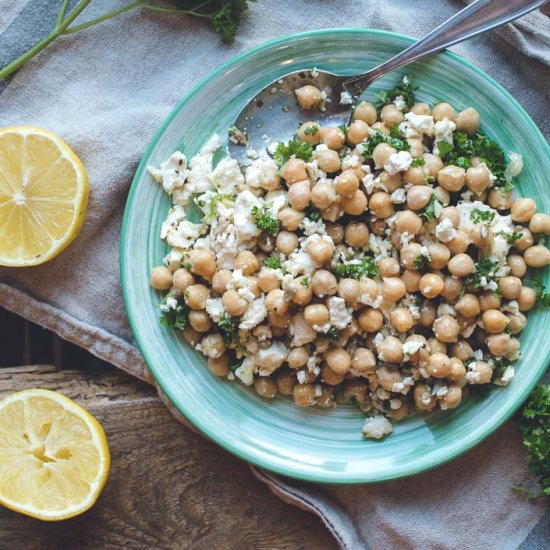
344	129
311	130
444	148
535	427
173	318
417	162
405	88
229	327
214	203
273	262
264	220
428	212
304	281
543	297
480	216
294	148
420	261
356	269
378	137
485	269
333	333
313	213
511	238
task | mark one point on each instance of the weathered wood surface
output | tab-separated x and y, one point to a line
169	488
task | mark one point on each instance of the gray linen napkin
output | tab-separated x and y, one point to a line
106	90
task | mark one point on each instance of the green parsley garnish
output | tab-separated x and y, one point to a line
480	216
304	281
420	261
444	148
173	318
230	332
311	130
264	220
428	212
356	269
344	129
543	297
378	137
418	162
294	148
273	262
535	427
218	197
511	238
333	333
485	269
405	88
313	213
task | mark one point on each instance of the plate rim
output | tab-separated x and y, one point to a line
324	476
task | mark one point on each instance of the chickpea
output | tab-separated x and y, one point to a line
356	234
391	350
323	195
286	242
510	287
378	227
487	300
499	200
417	148
461	265
457	371
419	196
468	306
498	344
346	184
442	195
219	366
442	111
297	357
523	210
276	301
234	303
371	320
417	175
433	163
309	132
393	289
409	253
328	160
421	109
513	351
468	121
391	115
191	336
401	319
300	294
431	285
268	280
540	223
380	205
446	328
387	377
161	278
452	399
452	288
452	214
427	314
333	138
323	283
439	255
308	97
332	213
366	112
381	127
537	256
200	320
339	360
481	235
388	267
423	398
349	290
320	251
183	279
478	178
460	243
304	395
494	321
407	222
381	154
480	372
363	360
247	262
279	321
411	280
290	218
451	178
316	314
527	298
517	322
439	365
358	131
265	387
462	350
285	381
294	170
299	195
355	205
331	377
525	241
196	295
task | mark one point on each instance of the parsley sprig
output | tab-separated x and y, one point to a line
481	216
273	262
420	261
378	137
357	269
264	220
404	88
294	148
173	318
485	269
543	297
428	212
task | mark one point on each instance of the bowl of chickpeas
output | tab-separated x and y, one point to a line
359	302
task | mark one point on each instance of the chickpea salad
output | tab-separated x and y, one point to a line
380	263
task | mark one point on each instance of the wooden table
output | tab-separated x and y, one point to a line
168	488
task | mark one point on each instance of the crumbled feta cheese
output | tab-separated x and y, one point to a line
300	332
381	247
446	309
340	315
172	173
252	154
395	404
254	315
443	130
508	374
214	308
260	172
512	307
184	234
399	196
445	231
411	347
175	215
302	377
271	358
416	125
346	98
377	427
516	164
398	162
311	227
227	176
299	263
399	102
241	284
272	148
245	373
243	218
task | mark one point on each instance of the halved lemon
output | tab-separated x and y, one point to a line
43	195
54	456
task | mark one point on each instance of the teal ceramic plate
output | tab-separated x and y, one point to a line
314	444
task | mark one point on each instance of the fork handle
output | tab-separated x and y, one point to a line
478	17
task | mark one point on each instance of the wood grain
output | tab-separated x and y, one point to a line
169	488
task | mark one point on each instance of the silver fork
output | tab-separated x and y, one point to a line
275	109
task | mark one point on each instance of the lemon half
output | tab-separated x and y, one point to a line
54	456
43	196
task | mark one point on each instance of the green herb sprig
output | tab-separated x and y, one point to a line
543	297
377	138
294	148
264	220
173	318
428	212
404	88
357	269
481	216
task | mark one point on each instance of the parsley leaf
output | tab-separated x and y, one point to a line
405	88
311	130
226	16
344	129
333	333
230	332
313	213
479	216
273	262
418	162
356	269
543	297
420	261
378	137
535	427
444	148
304	281
174	318
295	148
264	220
511	238
428	213
485	269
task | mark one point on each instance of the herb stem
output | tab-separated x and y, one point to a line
61	14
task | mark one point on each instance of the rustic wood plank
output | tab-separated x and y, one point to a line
168	488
